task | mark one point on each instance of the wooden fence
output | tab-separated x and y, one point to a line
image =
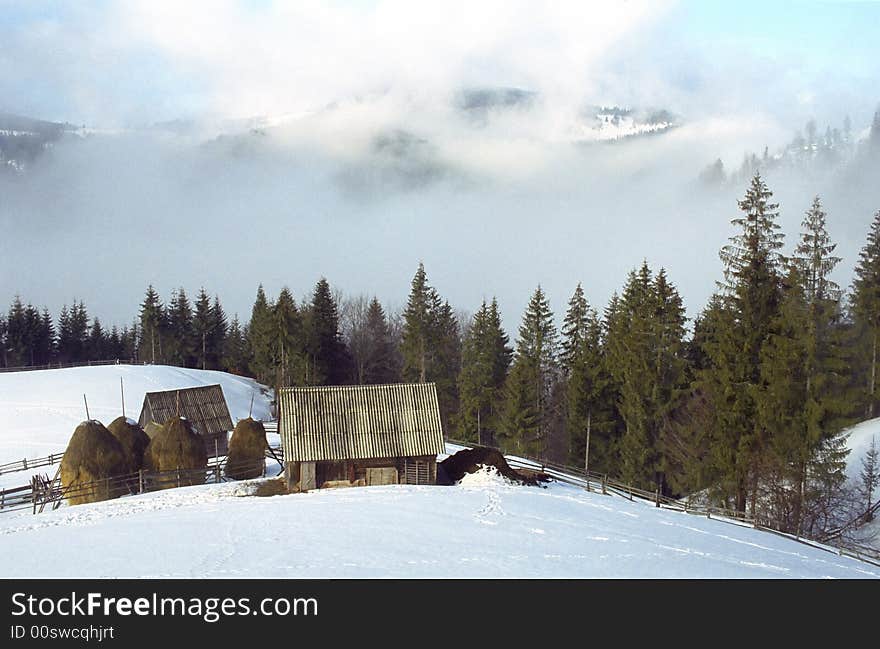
25	464
57	366
601	483
42	489
43	492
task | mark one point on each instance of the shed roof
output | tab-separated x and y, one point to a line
204	406
360	422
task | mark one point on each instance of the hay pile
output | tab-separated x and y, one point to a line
152	428
469	460
133	440
93	456
177	446
247	450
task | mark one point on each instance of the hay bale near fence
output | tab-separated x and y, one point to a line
247	450
133	439
177	446
93	456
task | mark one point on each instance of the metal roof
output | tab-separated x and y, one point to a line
360	422
204	407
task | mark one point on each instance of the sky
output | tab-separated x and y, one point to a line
513	201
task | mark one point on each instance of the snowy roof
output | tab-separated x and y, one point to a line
360	422
203	406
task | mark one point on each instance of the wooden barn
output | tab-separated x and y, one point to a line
360	435
204	407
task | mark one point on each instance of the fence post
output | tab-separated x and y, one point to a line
657	497
178	476
140	481
708	511
604	479
24	464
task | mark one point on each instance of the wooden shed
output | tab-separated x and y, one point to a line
204	407
360	435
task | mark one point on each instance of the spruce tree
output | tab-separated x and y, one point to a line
182	343
216	334
203	326
446	364
261	337
328	357
16	334
380	362
533	376
288	346
96	344
431	344
46	338
646	356
486	357
589	406
751	293
419	329
869	479
3	341
151	325
236	356
866	313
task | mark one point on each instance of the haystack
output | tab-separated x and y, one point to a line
133	440
152	428
247	450
93	456
177	446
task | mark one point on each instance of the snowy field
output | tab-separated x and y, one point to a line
483	527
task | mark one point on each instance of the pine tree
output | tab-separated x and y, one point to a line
574	329
379	362
869	479
486	357
3	341
216	334
261	337
866	313
236	356
73	332
16	334
96	344
64	334
328	358
590	413
151	325
203	326
115	348
182	344
46	339
533	376
419	327
288	346
751	293
446	364
431	345
646	356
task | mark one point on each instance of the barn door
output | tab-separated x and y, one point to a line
416	471
383	475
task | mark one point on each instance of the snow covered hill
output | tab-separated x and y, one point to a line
39	410
482	528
